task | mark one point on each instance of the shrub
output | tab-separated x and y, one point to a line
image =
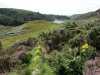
25	57
92	67
76	66
69	26
55	40
87	52
94	37
23	70
29	42
0	46
88	26
26	71
66	61
77	41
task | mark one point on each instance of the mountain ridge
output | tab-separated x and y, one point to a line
88	15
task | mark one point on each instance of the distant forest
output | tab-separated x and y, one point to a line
15	17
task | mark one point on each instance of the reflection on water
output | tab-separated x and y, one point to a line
58	21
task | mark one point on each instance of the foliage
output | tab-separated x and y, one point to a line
15	17
30	29
38	62
87	52
6	20
55	40
25	58
0	46
31	41
23	70
92	24
77	41
62	51
68	58
92	66
26	71
16	55
94	37
66	62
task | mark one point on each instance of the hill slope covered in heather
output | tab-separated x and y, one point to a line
42	47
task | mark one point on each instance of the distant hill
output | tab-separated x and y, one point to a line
75	16
15	17
94	14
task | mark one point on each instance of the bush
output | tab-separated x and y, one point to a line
94	37
23	70
66	61
25	57
92	67
29	42
77	41
26	72
55	40
88	53
0	46
76	66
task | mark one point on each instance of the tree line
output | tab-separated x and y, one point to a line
15	17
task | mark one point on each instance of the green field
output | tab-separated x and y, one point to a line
30	29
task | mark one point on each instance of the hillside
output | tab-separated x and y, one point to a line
75	16
94	14
68	49
15	34
15	17
32	44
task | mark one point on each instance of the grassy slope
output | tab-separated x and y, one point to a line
31	29
3	28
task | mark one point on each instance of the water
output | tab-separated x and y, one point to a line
58	21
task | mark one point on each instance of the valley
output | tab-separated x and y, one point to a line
49	44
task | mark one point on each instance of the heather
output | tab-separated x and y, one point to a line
66	49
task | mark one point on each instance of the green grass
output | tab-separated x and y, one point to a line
4	28
12	73
31	29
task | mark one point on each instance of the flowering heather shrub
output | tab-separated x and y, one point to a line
8	63
21	55
92	67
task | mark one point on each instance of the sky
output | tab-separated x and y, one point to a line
57	7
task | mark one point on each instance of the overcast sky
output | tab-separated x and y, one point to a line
60	7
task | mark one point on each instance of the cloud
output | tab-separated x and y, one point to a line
3	6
